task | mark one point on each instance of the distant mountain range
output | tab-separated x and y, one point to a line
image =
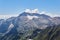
23	26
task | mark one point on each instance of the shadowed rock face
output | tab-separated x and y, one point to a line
50	33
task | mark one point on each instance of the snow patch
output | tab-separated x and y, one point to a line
31	17
10	27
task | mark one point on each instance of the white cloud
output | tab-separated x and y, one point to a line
50	14
32	11
35	11
7	16
28	10
43	12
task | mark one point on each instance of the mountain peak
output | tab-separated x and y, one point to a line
32	11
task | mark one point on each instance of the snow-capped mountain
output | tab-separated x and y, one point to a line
30	19
27	21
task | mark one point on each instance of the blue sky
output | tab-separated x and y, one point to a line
16	6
